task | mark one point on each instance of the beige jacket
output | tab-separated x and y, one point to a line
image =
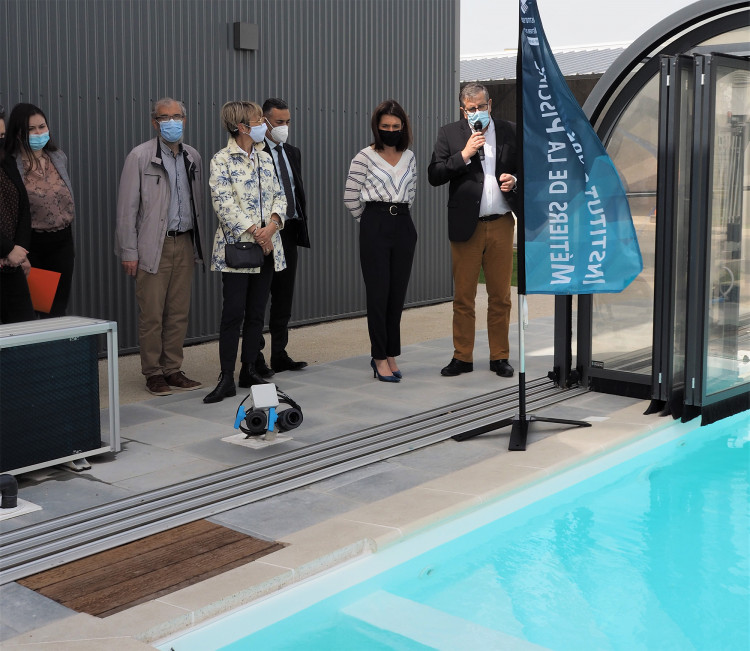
143	202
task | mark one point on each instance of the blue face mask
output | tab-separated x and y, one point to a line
171	130
38	140
483	117
258	133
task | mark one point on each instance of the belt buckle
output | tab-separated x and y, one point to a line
393	208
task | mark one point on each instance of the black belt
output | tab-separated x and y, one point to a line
391	208
489	218
176	233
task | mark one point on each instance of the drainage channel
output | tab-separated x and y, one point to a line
60	540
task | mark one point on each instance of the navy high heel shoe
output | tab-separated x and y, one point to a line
382	378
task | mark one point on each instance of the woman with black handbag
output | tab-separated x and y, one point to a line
249	205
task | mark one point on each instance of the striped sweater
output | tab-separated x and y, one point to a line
371	178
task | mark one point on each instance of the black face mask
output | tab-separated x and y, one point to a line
390	138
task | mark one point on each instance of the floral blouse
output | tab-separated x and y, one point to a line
51	202
237	200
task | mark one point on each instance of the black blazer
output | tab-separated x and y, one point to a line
22	235
467	181
295	162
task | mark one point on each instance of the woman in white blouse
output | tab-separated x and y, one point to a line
249	203
380	189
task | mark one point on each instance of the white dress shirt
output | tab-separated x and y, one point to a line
493	202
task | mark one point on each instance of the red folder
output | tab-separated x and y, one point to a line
42	286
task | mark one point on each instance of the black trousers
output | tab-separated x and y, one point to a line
282	292
15	300
386	252
54	251
245	296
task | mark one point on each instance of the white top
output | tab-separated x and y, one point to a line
493	202
372	178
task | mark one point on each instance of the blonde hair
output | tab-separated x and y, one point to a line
239	112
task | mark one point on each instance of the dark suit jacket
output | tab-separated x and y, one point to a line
295	162
467	181
22	235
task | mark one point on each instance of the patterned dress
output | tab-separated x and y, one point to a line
244	186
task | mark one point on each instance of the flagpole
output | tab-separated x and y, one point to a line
519	430
520	424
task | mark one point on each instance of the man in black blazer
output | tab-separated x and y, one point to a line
477	157
287	160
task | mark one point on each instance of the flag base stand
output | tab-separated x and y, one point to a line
520	429
520	423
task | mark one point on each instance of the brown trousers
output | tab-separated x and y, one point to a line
164	305
490	248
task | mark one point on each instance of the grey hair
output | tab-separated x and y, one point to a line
166	100
472	90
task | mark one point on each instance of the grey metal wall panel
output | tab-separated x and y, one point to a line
95	66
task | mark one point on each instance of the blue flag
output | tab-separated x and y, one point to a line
578	231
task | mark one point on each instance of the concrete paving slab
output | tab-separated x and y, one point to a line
171	475
278	516
63	492
137	459
30	610
221	452
175	431
391	479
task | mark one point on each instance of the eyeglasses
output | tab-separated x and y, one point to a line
179	117
256	123
474	109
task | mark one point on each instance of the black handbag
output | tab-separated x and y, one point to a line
245	255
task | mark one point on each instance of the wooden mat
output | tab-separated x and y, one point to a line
119	578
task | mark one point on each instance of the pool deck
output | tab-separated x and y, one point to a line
325	523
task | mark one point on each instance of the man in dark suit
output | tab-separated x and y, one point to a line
287	160
477	156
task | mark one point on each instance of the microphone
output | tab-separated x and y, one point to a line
477	128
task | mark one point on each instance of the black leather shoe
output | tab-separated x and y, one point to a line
224	389
261	368
249	379
285	363
501	367
456	367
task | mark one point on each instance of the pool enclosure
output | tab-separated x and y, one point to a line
674	112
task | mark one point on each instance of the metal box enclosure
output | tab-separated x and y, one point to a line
49	392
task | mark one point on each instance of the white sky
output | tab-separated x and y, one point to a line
492	25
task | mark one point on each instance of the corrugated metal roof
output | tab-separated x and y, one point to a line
584	60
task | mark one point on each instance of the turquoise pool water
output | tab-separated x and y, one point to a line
651	552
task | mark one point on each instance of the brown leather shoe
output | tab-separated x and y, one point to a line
182	382
157	385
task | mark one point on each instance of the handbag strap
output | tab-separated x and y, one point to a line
260	202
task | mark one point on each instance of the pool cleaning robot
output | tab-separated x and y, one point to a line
263	418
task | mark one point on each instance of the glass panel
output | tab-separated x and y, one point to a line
622	324
738	37
682	220
728	345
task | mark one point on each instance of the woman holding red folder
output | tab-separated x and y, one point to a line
15	229
44	168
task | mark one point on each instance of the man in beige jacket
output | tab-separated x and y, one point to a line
158	213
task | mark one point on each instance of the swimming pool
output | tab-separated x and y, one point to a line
645	552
